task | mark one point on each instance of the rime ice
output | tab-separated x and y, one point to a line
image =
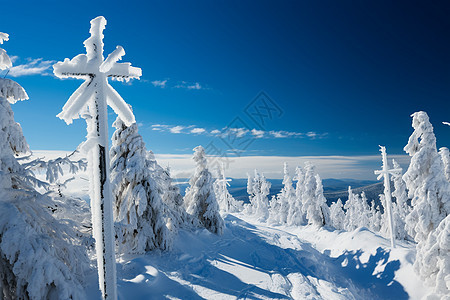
91	100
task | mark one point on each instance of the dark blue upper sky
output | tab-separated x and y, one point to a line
349	73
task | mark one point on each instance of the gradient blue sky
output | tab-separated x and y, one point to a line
349	73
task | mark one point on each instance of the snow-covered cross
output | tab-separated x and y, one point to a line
91	101
385	172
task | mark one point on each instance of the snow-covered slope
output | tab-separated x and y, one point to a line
252	261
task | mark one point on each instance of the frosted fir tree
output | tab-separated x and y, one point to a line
337	215
445	156
425	179
433	260
400	208
138	208
375	216
200	199
226	202
351	211
279	212
296	216
258	189
90	101
12	141
176	215
40	257
314	203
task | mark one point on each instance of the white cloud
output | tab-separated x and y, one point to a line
355	167
198	130
258	133
189	86
176	129
159	83
33	67
215	131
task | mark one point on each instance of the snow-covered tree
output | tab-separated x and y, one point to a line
138	208
364	220
176	215
400	207
433	260
313	202
296	215
375	216
200	199
425	179
356	214
445	156
337	215
40	256
258	189
226	202
12	141
281	205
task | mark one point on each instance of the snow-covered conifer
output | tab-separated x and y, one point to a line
400	208
445	156
433	260
351	211
279	213
375	216
200	199
40	257
226	202
258	189
425	179
176	214
296	215
337	215
313	201
12	141
138	207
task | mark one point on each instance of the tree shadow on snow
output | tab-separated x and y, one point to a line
206	261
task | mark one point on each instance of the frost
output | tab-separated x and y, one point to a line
90	101
139	210
425	179
200	198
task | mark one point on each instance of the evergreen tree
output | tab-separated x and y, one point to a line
337	215
226	202
40	257
425	179
296	215
200	198
279	213
445	156
433	260
400	208
313	202
138	209
258	189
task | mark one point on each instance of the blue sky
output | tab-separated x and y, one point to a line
342	76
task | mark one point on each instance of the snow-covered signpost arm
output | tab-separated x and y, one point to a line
90	101
385	172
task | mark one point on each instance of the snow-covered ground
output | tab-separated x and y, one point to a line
254	261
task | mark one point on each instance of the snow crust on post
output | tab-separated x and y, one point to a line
90	101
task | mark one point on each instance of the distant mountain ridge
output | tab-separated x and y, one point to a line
333	188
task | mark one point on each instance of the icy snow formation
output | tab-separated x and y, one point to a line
200	198
91	100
